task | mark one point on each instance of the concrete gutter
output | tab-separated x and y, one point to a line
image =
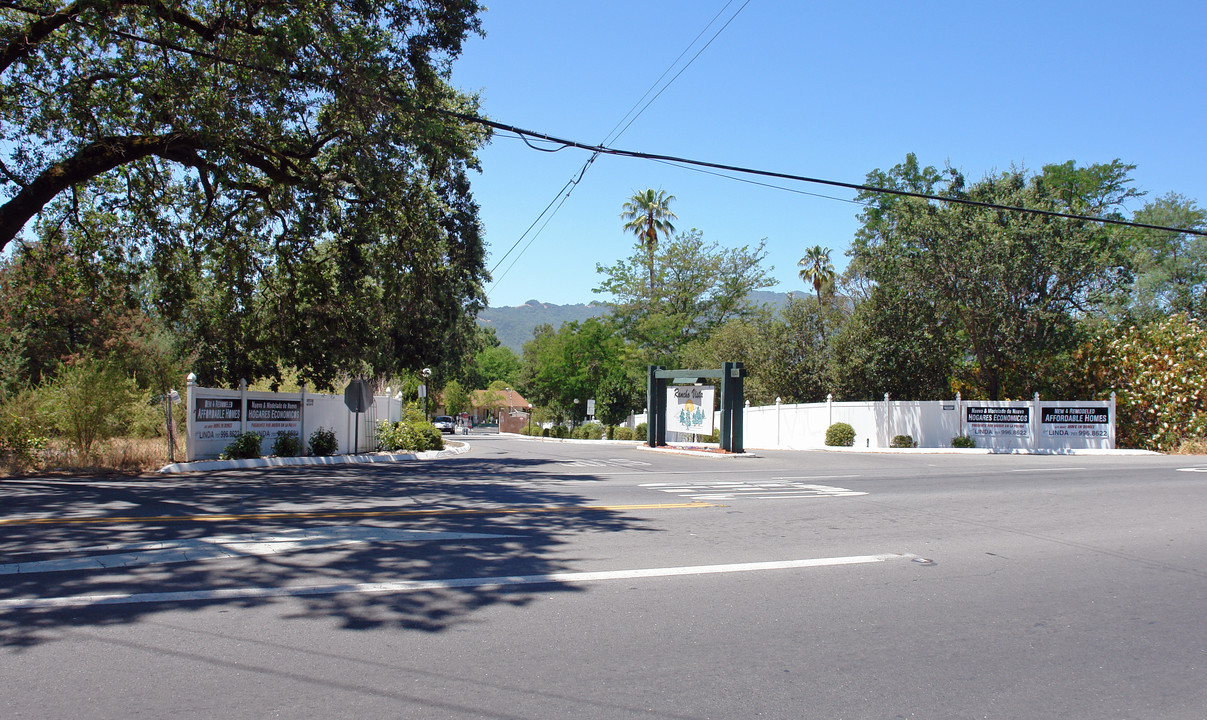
974	451
452	448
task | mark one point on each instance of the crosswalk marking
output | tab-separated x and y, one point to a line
776	489
611	462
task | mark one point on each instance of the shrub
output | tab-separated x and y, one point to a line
244	447
323	442
640	431
412	435
589	431
434	438
611	432
89	401
1160	374
19	440
623	433
903	441
840	435
714	437
545	432
561	431
963	441
286	444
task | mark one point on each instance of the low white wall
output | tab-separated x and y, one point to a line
216	417
1050	425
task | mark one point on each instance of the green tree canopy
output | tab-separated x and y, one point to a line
287	169
1171	267
1013	283
574	363
699	287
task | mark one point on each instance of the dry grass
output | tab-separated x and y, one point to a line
1192	446
130	456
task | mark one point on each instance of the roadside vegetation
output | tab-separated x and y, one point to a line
241	233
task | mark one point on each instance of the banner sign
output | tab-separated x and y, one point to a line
216	422
274	417
689	409
998	421
1081	422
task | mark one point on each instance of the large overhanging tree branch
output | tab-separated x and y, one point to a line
90	86
271	158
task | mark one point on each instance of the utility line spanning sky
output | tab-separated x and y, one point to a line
810	89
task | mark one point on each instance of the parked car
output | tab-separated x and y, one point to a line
445	424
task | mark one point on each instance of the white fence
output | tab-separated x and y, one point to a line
1047	425
216	417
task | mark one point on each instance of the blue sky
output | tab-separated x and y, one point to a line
828	90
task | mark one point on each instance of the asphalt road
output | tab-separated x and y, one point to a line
528	579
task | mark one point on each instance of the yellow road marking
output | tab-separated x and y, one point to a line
350	514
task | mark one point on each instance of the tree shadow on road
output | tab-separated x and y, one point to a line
516	501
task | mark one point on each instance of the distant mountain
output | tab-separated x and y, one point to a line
514	325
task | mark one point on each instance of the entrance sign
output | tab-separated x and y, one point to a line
661	404
689	409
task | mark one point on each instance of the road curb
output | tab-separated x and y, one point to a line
381	457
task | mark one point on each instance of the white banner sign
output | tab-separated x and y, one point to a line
998	421
689	409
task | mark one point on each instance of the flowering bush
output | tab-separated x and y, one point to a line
1159	375
413	435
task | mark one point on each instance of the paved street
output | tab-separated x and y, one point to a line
528	579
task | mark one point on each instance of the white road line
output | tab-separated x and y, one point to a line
403	586
1047	469
753	490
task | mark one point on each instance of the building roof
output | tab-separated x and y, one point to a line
508	397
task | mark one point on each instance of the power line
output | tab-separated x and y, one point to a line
614	134
601	149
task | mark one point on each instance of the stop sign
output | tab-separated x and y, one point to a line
358	396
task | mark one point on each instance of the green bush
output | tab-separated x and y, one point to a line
589	431
411	435
903	441
90	400
19	440
1160	373
714	437
435	439
611	432
545	432
286	444
840	435
623	433
561	431
323	442
640	431
963	441
244	447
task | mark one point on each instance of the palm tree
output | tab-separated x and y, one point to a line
816	269
648	214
